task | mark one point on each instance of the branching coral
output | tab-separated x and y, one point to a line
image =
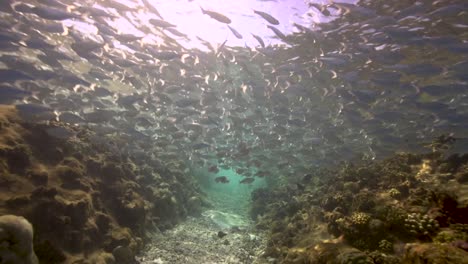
360	219
420	225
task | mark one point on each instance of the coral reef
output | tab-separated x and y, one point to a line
87	203
404	209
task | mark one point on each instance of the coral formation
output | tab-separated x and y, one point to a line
385	246
360	219
85	201
379	212
421	225
394	193
16	240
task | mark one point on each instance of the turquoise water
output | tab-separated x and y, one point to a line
232	197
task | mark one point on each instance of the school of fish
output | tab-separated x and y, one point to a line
380	77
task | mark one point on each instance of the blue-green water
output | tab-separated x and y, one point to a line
232	197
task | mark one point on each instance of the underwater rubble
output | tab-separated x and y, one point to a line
86	203
409	208
203	240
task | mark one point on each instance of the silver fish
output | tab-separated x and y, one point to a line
260	40
216	16
235	32
267	17
277	32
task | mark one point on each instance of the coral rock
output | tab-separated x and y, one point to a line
49	253
434	254
16	240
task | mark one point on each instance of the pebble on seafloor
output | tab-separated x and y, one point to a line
221	234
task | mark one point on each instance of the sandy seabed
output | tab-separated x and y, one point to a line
196	241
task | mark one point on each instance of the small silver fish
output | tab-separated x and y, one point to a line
160	23
217	16
53	13
60	132
277	32
235	32
213	169
267	17
247	180
260	40
151	8
221	179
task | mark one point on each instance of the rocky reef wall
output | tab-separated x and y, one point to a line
86	203
406	209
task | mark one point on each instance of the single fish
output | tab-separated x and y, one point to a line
221	234
53	13
213	169
10	94
161	23
165	55
151	8
99	116
10	75
125	38
60	132
240	170
71	118
247	180
94	12
35	112
33	108
175	32
217	16
54	3
101	92
200	146
186	102
23	8
267	17
235	32
221	179
260	40
277	32
220	48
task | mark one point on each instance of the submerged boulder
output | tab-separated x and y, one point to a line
123	255
16	240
